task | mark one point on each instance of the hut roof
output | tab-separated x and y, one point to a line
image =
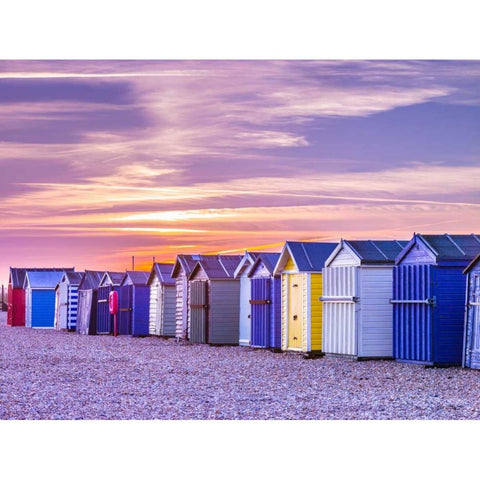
43	279
186	263
268	259
17	275
371	251
308	256
90	280
472	264
135	277
446	247
218	267
74	277
246	262
163	272
111	278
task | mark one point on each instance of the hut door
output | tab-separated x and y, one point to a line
261	304
125	310
475	316
295	311
198	311
413	312
103	313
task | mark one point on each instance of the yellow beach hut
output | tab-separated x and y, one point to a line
300	266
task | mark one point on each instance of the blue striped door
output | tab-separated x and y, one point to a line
413	313
141	310
104	318
261	303
125	310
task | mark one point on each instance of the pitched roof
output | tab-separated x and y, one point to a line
446	247
308	256
376	251
135	277
246	262
267	259
186	263
111	278
472	264
218	267
43	279
90	280
74	278
163	272
17	275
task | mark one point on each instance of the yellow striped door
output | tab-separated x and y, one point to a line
295	311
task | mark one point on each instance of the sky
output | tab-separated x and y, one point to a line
104	160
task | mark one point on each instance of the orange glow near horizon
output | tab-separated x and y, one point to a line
102	161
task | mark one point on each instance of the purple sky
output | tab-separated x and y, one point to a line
100	160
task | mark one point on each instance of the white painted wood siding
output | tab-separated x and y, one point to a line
340	314
245	310
284	288
344	258
376	314
154	317
181	284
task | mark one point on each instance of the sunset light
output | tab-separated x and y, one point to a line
104	160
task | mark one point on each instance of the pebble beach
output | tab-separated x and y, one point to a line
50	375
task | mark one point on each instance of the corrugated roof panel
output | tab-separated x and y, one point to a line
454	247
310	256
137	277
90	280
47	279
377	251
164	272
116	277
18	274
269	260
230	263
75	278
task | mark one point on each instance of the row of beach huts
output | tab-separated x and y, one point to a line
415	301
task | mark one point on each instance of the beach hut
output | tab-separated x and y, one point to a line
109	282
265	301
66	301
214	301
241	272
182	268
40	297
16	297
429	298
300	265
357	289
133	304
87	303
471	343
162	300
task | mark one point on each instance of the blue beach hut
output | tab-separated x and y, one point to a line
429	298
109	282
40	297
265	301
134	304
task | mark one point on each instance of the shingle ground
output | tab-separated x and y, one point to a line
47	374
